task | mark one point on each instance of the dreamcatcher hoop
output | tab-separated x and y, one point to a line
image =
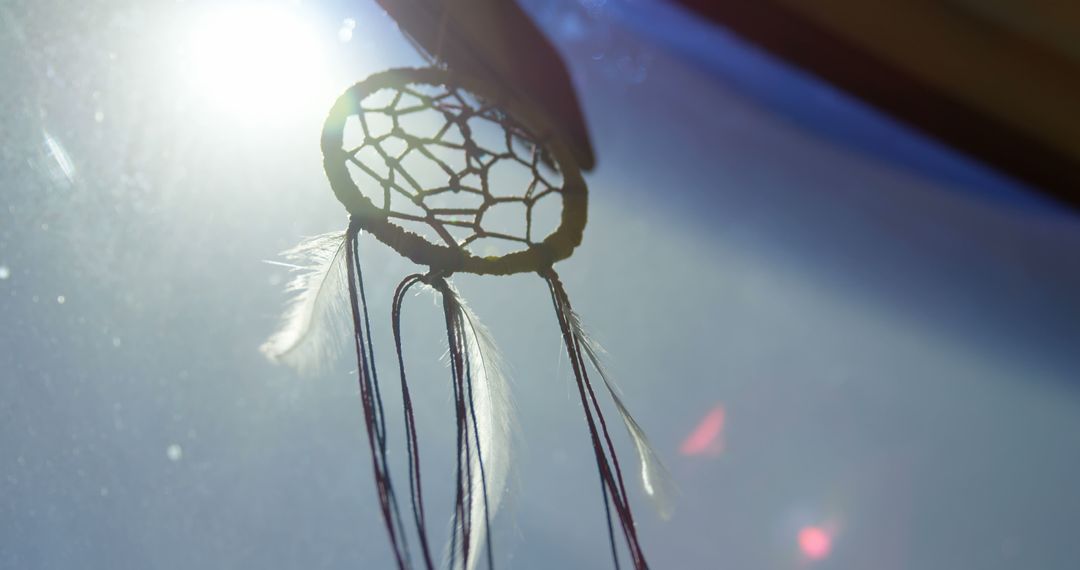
520	120
330	290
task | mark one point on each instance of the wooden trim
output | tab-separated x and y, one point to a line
987	132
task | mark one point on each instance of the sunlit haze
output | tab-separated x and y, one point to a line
257	62
852	346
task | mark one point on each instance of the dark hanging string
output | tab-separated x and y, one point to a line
601	459
412	446
607	515
467	448
461	372
372	402
631	528
612	483
380	413
461	515
623	507
590	406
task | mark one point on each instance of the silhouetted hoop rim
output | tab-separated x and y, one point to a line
440	257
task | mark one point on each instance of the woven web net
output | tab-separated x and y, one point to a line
454	169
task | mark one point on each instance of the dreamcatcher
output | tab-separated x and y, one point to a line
423	159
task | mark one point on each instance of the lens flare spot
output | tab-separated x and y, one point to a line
707	438
814	542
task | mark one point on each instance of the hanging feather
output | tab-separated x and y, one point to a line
489	408
316	320
654	476
607	462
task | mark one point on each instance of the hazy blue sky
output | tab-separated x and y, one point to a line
888	329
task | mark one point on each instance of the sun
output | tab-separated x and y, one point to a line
257	61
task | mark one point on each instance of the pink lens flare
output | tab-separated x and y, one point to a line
707	437
815	542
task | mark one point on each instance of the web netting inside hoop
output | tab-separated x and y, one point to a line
453	174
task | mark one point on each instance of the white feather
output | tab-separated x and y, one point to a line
654	476
493	413
317	318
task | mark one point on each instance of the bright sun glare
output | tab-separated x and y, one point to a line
258	61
